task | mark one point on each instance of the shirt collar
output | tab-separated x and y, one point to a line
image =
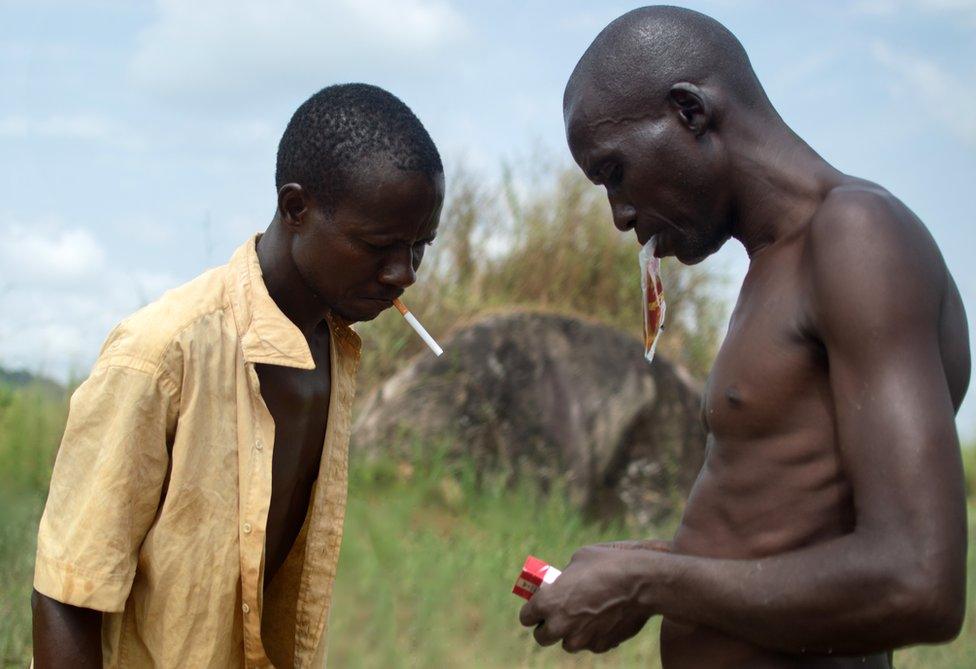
267	335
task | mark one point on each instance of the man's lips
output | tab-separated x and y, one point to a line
661	247
378	301
388	297
645	232
644	235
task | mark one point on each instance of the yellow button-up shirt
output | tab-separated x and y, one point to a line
159	497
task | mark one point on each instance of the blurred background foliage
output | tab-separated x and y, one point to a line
543	239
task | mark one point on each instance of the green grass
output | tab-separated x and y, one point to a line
428	564
426	569
31	420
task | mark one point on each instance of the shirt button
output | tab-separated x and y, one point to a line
247	528
245	608
258	445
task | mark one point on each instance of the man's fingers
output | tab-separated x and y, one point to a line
576	642
545	635
529	615
603	645
619	633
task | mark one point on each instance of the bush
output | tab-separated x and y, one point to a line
543	242
31	422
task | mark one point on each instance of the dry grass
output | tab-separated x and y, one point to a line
544	242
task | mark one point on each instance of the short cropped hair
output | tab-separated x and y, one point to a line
339	128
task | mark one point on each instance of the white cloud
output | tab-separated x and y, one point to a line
966	9
797	74
221	50
60	296
945	97
44	254
82	127
73	4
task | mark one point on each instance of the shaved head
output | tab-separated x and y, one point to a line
638	57
652	111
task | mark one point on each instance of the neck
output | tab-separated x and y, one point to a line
779	182
285	285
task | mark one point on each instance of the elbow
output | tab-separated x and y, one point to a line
932	606
943	619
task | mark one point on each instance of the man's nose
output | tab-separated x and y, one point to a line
624	215
399	271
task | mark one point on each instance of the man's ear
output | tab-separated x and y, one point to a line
692	106
292	204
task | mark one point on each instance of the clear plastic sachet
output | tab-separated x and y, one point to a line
653	291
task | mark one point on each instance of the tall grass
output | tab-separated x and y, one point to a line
31	421
427	563
969	468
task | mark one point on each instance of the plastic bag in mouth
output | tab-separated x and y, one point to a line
653	292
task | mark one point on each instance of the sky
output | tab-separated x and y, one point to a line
137	139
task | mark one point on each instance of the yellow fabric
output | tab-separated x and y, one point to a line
160	493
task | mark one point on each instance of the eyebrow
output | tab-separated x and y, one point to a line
392	236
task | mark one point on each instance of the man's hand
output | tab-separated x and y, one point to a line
594	603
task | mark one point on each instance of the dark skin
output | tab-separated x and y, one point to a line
828	524
353	260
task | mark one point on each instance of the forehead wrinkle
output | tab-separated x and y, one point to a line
591	119
620	120
602	96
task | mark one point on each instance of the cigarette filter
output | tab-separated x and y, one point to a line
418	328
535	572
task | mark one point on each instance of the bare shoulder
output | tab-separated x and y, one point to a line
867	249
866	221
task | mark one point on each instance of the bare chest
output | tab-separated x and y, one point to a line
772	478
769	369
298	401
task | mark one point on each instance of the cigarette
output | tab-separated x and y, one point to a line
418	328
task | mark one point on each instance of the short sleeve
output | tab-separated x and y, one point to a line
106	485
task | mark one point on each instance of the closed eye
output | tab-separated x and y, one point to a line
612	174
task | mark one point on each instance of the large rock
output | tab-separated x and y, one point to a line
554	398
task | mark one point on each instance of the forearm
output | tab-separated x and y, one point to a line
65	636
843	596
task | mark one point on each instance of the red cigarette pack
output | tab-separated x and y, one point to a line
535	572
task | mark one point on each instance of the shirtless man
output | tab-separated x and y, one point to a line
828	523
196	505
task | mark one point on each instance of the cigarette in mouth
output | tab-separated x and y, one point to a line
418	328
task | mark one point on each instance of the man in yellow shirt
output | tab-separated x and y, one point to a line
197	501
